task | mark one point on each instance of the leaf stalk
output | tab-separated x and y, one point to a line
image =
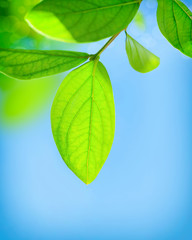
93	57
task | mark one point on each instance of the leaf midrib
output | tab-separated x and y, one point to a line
174	17
182	9
91	113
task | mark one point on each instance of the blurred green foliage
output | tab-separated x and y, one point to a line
13	28
19	100
139	20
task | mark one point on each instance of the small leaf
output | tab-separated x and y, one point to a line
83	119
175	21
82	21
30	64
141	59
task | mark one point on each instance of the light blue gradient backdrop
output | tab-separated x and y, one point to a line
144	191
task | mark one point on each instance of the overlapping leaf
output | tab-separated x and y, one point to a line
141	59
30	64
175	21
82	20
83	119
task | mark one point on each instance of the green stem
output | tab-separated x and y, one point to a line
93	57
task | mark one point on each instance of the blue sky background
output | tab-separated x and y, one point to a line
143	192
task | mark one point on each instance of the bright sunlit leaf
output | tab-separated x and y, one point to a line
83	119
82	21
141	59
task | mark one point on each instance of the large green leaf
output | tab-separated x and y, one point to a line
82	21
141	59
83	119
175	21
29	64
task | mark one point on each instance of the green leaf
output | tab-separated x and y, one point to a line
30	64
82	21
175	21
141	59
83	119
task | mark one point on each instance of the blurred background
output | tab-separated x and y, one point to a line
144	191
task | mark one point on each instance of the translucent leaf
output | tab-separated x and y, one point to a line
175	21
30	64
141	59
82	21
83	119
